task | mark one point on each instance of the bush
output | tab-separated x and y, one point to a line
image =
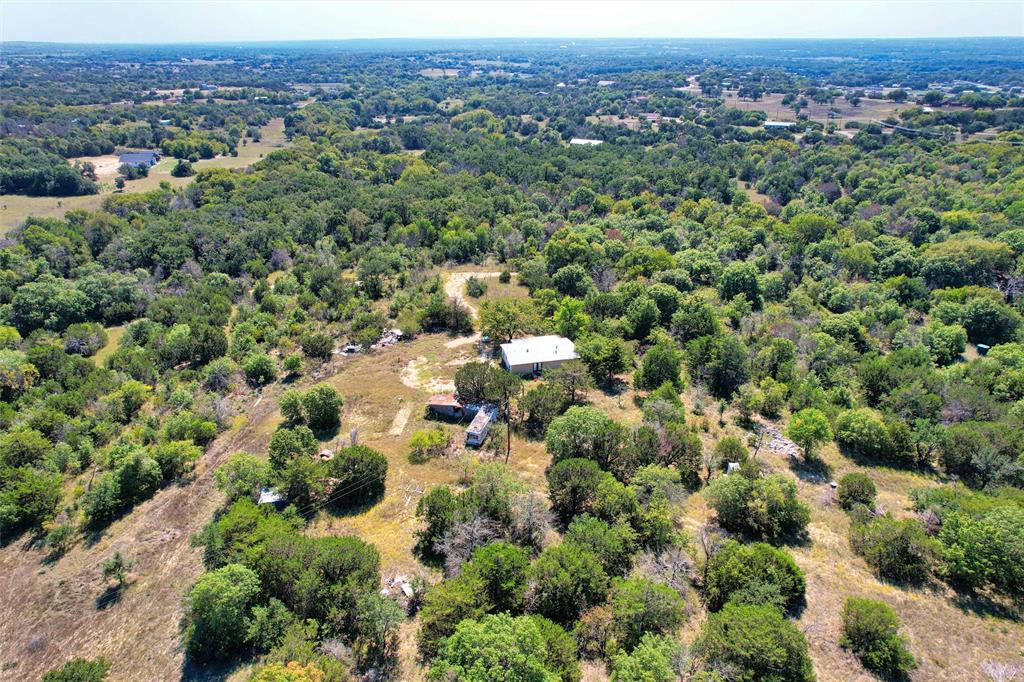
856	488
871	631
865	434
501	568
765	507
641	606
567	581
755	643
446	605
79	670
321	406
505	277
559	648
613	545
988	550
654	659
753	574
571	486
259	370
219	606
426	444
183	169
360	473
898	550
496	647
317	345
476	287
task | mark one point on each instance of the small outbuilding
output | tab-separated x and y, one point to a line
448	405
779	125
535	354
585	142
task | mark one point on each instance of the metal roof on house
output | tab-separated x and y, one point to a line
137	158
538	349
445	400
584	141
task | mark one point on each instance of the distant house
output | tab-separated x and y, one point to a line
476	434
651	116
585	142
535	354
139	158
779	125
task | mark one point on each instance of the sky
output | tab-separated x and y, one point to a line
174	21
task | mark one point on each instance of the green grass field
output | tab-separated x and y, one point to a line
15	208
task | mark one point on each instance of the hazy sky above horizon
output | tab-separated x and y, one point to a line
168	21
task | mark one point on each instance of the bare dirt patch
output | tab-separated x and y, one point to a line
106	166
399	422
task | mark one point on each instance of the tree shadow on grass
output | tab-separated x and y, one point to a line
987	605
811	470
110	596
346	507
209	672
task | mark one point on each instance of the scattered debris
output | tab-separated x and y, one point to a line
389	338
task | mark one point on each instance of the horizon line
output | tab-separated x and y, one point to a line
266	41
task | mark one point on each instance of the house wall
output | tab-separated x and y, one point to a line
527	369
448	411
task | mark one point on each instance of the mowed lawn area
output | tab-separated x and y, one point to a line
15	208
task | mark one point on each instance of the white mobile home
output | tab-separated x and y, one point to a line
535	354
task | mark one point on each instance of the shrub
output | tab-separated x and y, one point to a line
613	545
571	486
559	648
898	550
476	287
567	581
654	659
865	434
753	574
219	605
765	507
317	345
79	670
496	647
288	444
871	631
641	606
259	369
360	473
501	568
505	277
445	606
426	444
242	475
755	643
808	428
321	406
985	550
438	510
856	488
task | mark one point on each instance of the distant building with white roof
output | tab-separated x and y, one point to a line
535	354
585	142
779	124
